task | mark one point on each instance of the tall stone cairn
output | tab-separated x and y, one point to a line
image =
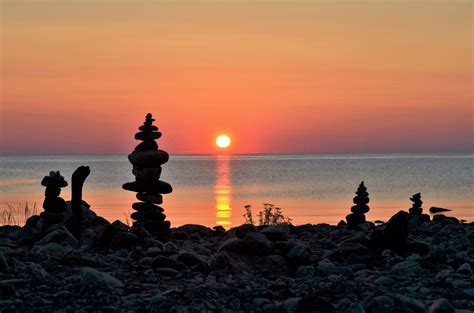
360	208
147	160
416	208
53	205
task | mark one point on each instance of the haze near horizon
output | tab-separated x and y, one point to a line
276	76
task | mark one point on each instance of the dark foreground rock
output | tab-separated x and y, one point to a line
309	268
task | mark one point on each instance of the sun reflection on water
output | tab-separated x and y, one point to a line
223	192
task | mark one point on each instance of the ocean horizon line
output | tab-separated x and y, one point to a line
453	153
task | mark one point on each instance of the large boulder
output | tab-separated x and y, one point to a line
244	229
395	235
235	245
406	268
299	255
253	243
190	229
312	304
95	278
441	306
193	261
354	252
61	235
257	244
123	240
166	262
355	219
278	232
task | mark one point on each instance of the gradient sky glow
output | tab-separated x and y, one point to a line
78	77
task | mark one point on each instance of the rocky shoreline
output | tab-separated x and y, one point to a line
109	267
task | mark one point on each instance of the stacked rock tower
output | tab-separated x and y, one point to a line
147	160
416	208
53	205
360	208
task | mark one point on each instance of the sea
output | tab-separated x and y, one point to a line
214	189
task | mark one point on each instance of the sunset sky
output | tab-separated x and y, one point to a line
78	77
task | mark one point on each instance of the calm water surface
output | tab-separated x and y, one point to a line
213	190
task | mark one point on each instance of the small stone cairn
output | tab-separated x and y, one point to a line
53	205
360	208
147	161
416	208
416	211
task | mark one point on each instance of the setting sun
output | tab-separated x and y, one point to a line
223	141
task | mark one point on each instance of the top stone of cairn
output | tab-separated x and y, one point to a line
148	133
54	180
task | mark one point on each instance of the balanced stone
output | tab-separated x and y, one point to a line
52	217
155	187
147	161
148	128
157	227
54	204
416	208
144	207
52	192
355	219
147	145
148	158
54	180
147	174
147	135
148	216
150	198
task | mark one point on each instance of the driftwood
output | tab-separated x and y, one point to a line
77	182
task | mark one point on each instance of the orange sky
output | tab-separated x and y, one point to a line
278	76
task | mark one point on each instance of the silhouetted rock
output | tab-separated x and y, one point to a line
153	188
147	160
244	229
319	268
257	244
355	219
312	304
150	198
395	235
418	247
379	304
377	239
434	209
54	180
416	208
342	223
299	255
465	269
190	229
443	219
277	232
354	252
235	245
441	306
360	208
53	205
